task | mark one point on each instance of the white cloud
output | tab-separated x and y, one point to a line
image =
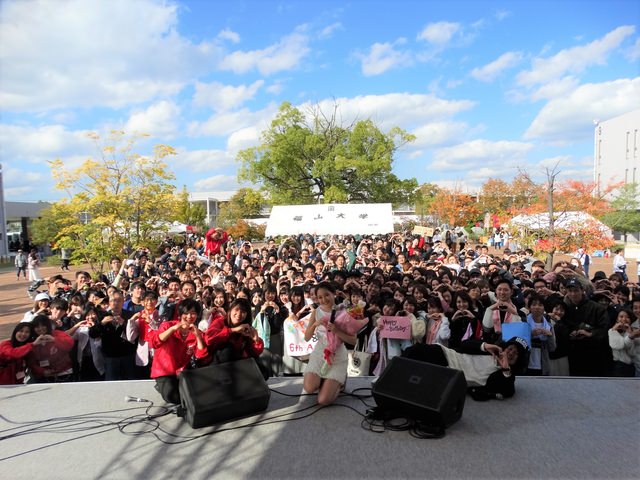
575	59
502	14
275	88
222	97
439	33
158	120
27	191
203	160
217	182
395	109
33	144
633	53
244	138
490	71
570	118
384	56
26	176
552	162
78	53
404	109
555	89
283	55
481	153
437	133
225	123
230	35
328	31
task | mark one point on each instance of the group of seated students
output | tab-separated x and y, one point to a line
191	306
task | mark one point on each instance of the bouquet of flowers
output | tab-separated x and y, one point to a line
350	321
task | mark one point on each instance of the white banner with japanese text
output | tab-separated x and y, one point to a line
331	219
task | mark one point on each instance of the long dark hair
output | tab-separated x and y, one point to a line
297	291
244	305
14	341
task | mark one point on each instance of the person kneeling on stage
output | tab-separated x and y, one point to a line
178	345
231	337
490	370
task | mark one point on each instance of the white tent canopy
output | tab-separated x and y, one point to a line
563	220
331	219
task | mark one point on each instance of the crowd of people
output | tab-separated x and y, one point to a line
217	299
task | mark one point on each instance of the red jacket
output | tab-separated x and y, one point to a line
51	359
173	355
12	362
214	245
219	335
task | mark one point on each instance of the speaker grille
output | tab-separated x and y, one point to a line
422	391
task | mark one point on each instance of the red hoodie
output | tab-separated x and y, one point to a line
12	362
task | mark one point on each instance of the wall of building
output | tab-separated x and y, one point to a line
617	150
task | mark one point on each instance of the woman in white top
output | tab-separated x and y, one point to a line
326	371
33	264
620	264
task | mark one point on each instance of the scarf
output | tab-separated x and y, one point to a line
497	324
432	332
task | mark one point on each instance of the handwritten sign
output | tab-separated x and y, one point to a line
294	342
516	329
424	231
395	327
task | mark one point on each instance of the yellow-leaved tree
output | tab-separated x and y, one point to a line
115	202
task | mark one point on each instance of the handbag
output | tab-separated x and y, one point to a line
359	361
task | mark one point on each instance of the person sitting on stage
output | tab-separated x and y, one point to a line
326	371
50	360
13	353
231	337
178	345
490	370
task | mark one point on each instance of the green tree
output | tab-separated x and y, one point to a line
304	161
118	199
625	214
245	203
425	196
190	213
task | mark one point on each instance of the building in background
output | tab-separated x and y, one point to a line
211	202
617	150
17	221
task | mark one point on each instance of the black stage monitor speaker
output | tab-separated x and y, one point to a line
421	391
218	393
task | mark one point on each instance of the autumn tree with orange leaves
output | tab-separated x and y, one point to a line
454	208
505	200
557	202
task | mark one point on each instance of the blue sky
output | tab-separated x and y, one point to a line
488	88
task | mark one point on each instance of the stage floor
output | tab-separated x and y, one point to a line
552	428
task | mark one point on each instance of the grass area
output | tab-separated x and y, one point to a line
51	261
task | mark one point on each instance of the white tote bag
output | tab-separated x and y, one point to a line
359	361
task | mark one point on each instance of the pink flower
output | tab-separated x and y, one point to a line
346	323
